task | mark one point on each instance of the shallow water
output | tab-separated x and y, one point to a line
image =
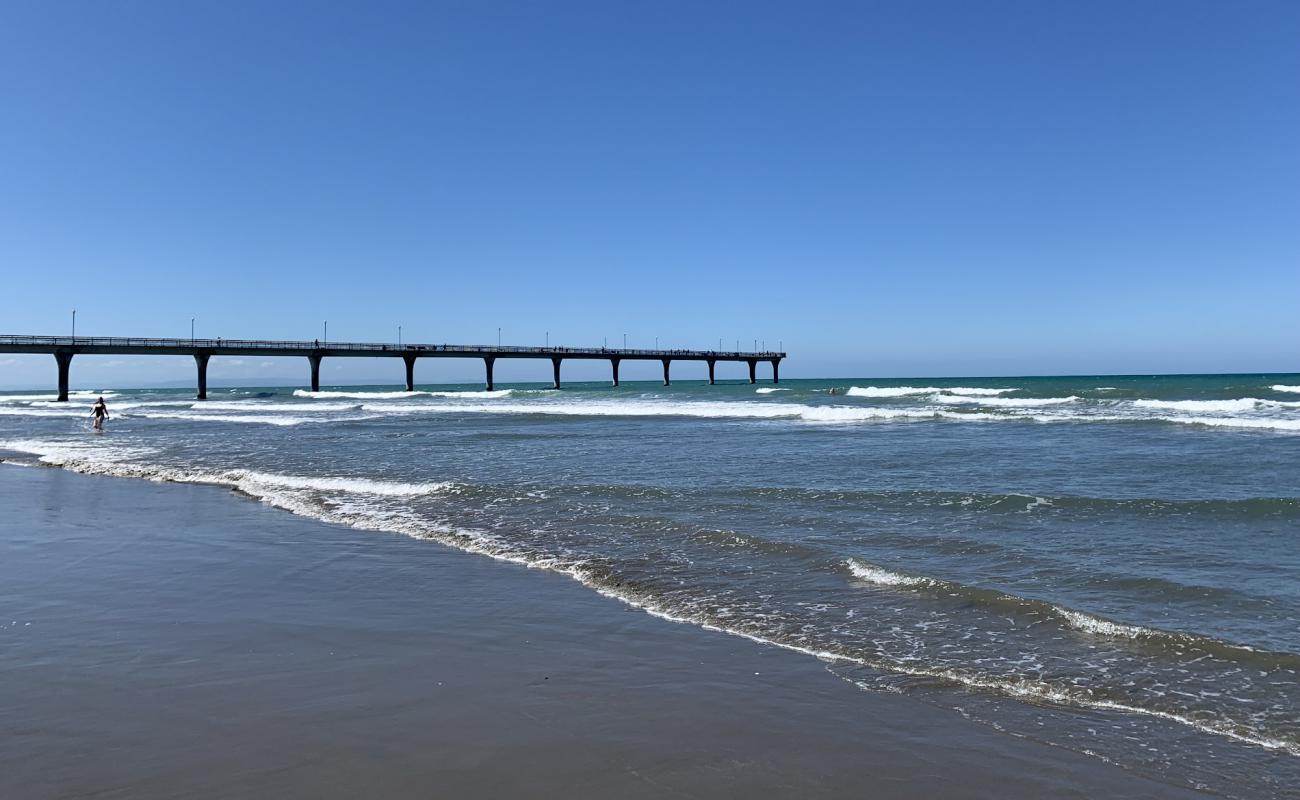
1108	564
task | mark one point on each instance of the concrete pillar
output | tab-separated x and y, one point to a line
776	370
410	372
201	361
666	363
314	360
753	364
488	361
555	363
64	360
712	363
613	362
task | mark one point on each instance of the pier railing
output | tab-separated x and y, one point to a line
376	347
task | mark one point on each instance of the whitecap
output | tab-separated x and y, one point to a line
400	395
1004	401
1278	387
1202	406
890	391
769	390
884	577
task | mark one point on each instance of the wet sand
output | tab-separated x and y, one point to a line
161	640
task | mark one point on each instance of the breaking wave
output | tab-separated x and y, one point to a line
469	395
1280	387
1004	401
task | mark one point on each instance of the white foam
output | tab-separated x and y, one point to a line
974	390
1022	402
890	391
244	478
769	390
1279	387
29	411
657	408
254	419
907	391
1104	627
884	577
80	395
255	405
1202	406
400	395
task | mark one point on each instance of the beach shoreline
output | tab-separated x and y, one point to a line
167	640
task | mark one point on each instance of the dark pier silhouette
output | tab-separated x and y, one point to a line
63	348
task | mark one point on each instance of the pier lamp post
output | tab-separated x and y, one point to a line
656	342
548	338
625	341
191	330
399	335
74	323
498	337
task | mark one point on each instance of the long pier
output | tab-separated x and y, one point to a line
63	348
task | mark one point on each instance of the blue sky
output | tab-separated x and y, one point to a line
890	189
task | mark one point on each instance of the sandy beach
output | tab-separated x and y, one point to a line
177	640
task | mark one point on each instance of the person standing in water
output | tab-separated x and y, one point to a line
100	413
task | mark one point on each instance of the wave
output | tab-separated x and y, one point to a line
890	391
399	395
239	418
273	491
883	577
647	408
1210	406
1078	621
254	405
907	391
974	390
28	411
84	458
769	390
1278	387
1004	401
73	396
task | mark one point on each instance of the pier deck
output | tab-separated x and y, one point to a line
63	348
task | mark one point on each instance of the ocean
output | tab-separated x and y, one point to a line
1107	564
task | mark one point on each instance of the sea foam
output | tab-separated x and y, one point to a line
469	395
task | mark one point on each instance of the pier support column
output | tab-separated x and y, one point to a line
488	362
201	361
776	370
314	360
555	363
666	381
64	360
712	364
753	364
410	372
613	362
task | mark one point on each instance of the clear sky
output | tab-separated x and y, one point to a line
887	188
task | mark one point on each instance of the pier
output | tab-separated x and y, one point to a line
63	348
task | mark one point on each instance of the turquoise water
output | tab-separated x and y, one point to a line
1109	564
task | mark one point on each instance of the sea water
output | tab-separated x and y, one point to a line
1108	564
